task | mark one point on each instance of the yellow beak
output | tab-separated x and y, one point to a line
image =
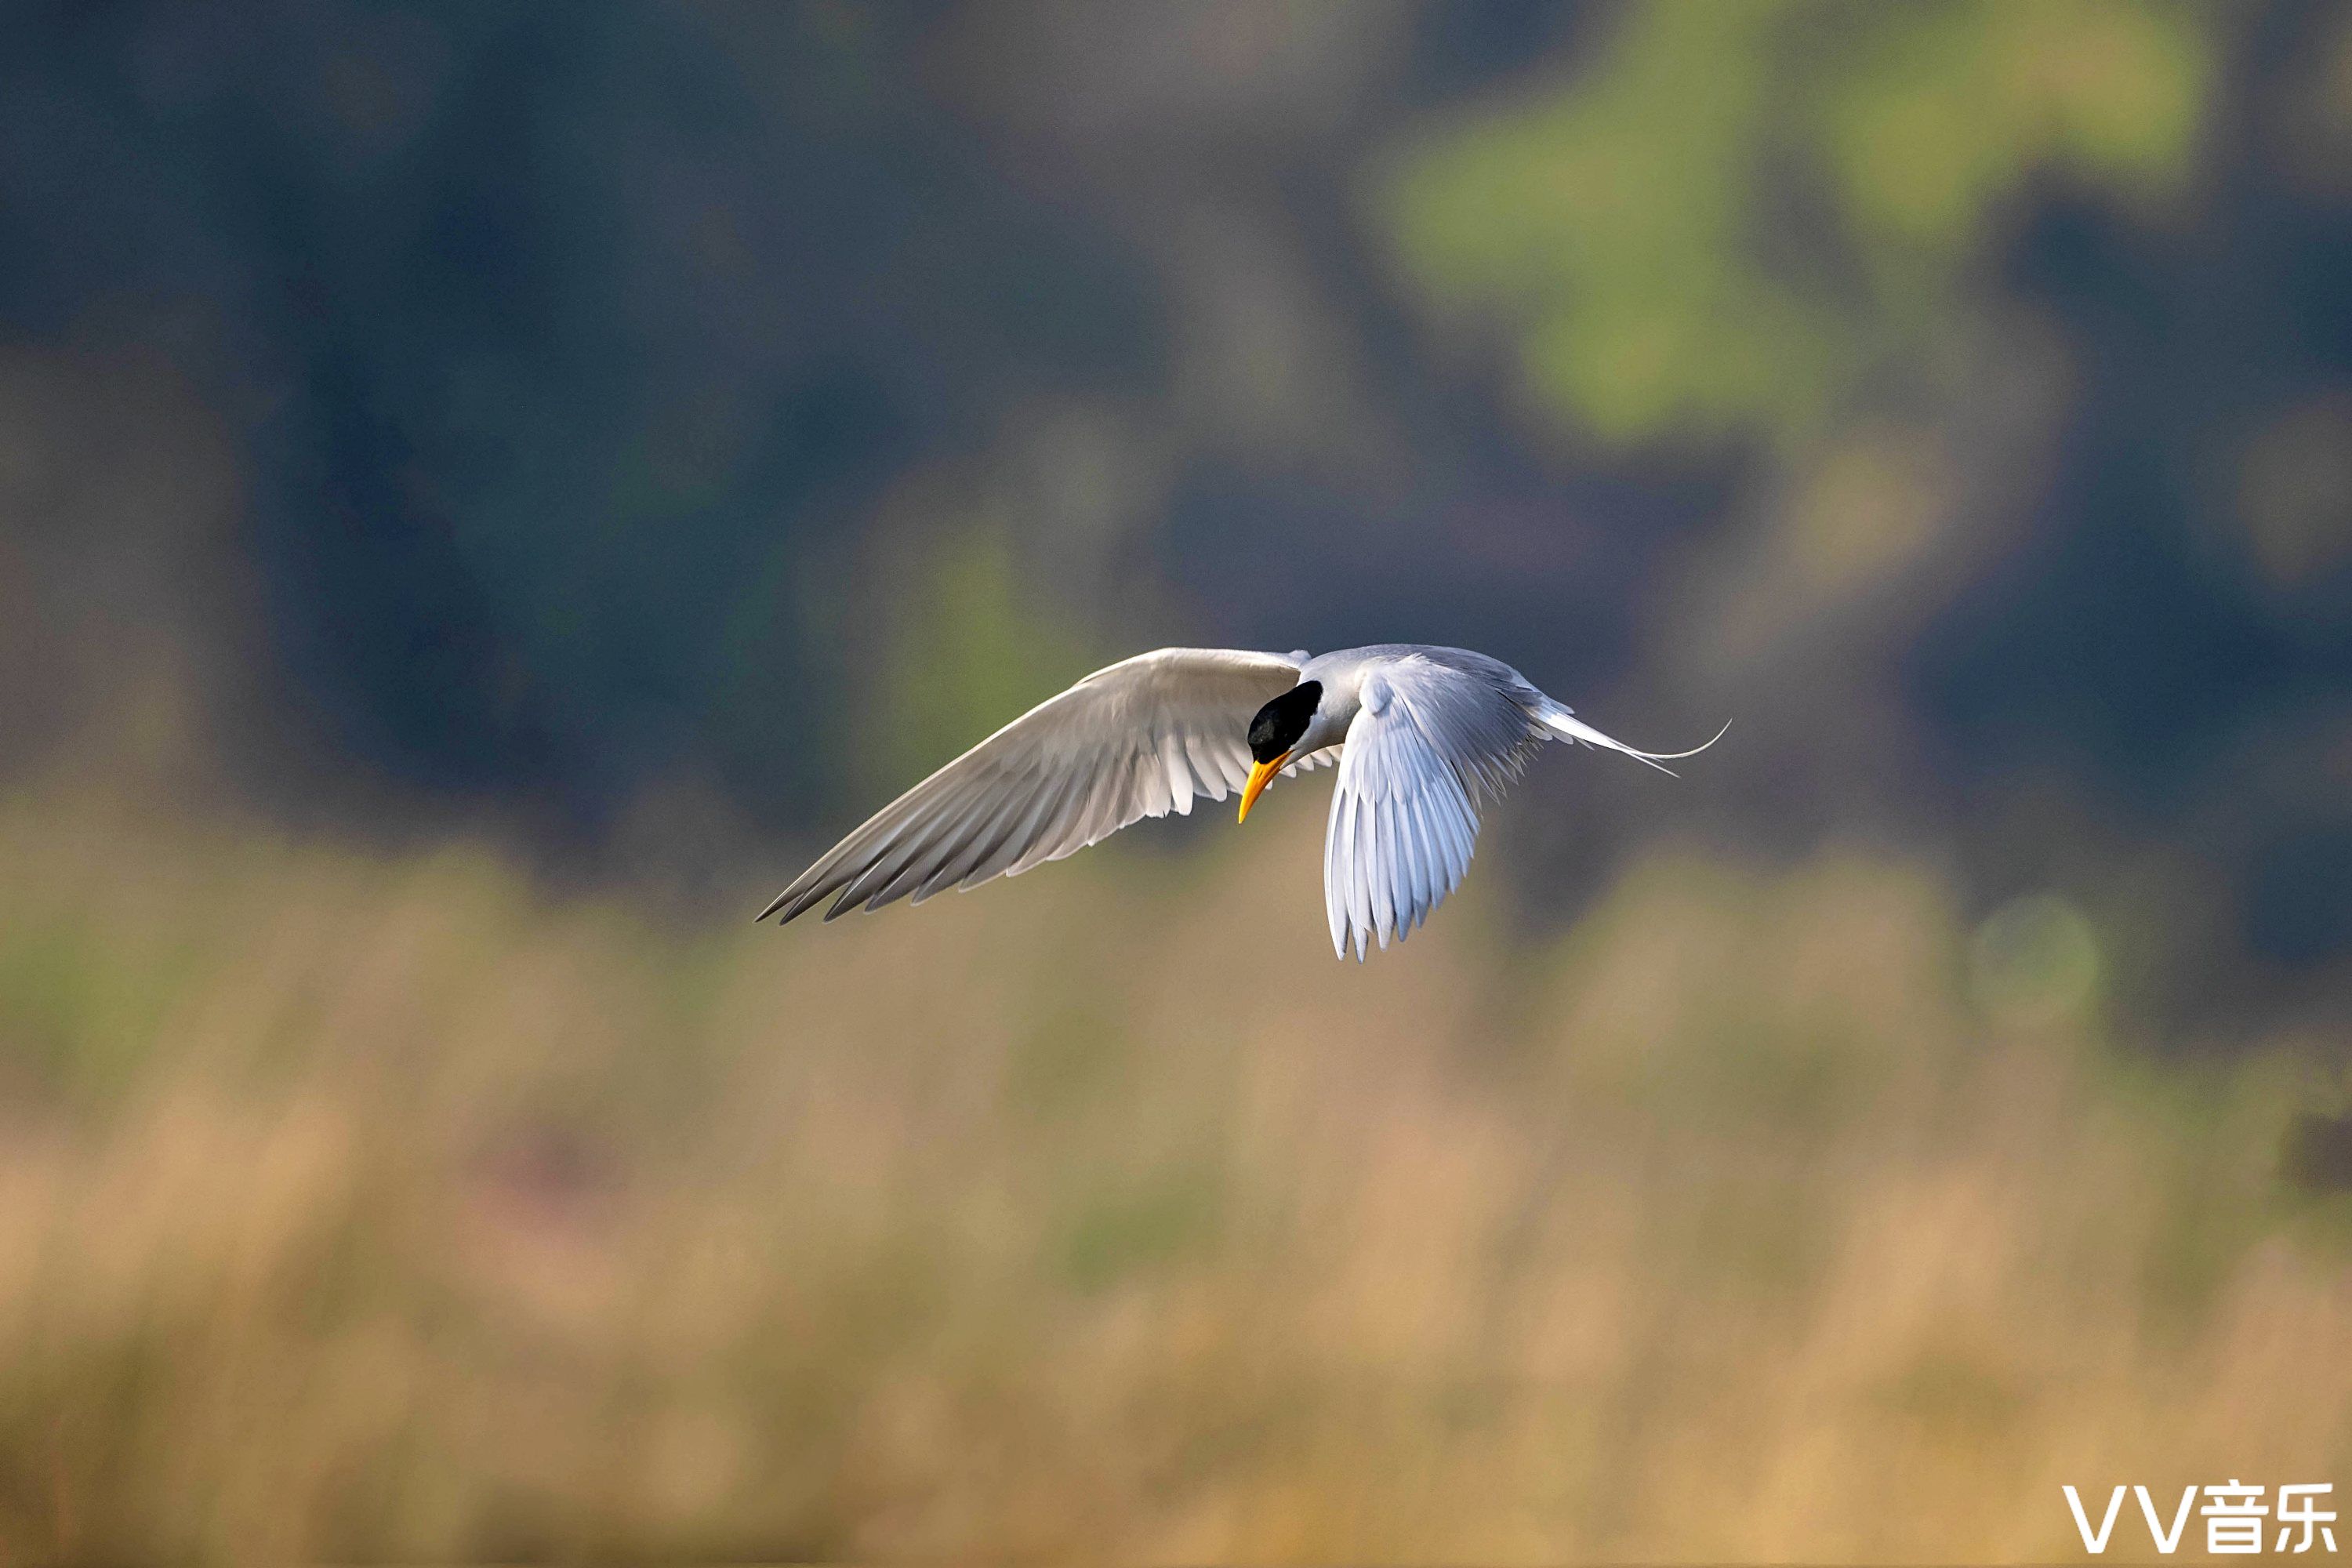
1261	775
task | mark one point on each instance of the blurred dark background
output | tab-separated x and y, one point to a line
688	402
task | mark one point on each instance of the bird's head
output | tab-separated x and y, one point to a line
1273	734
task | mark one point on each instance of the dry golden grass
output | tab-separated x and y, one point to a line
381	1208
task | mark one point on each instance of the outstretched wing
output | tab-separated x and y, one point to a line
1431	743
1137	739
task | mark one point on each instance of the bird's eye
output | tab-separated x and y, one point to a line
1280	724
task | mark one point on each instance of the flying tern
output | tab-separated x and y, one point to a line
1423	738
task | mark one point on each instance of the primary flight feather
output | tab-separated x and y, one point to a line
1424	737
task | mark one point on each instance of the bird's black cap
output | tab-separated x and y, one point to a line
1280	723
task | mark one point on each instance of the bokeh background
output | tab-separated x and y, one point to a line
487	490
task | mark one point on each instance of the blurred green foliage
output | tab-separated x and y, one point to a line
967	650
1734	213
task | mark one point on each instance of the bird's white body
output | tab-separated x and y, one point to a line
1423	737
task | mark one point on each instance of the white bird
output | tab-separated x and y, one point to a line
1423	738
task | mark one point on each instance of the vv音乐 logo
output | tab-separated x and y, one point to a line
2234	1518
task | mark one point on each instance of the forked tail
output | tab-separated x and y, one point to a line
1560	722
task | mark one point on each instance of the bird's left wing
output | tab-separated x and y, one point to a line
1137	739
1430	744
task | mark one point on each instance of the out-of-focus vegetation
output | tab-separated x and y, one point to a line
486	488
387	1208
489	411
1737	214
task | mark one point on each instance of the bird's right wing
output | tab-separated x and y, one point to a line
1429	744
1137	739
